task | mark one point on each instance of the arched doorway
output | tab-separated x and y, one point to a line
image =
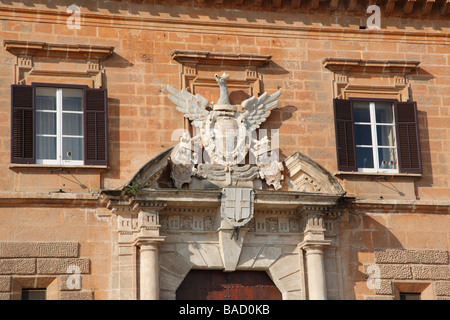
219	285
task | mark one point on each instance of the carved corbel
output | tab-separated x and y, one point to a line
24	65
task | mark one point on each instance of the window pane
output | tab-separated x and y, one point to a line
72	124
72	148
383	112
72	99
33	294
46	148
387	158
363	134
45	99
364	157
385	135
45	122
361	112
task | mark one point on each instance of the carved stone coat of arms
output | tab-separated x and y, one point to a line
226	134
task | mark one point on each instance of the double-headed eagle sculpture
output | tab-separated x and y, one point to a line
227	133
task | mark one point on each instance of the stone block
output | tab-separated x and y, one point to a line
385	288
428	256
391	256
5	296
442	288
38	249
381	297
393	271
5	284
76	295
61	265
17	266
67	284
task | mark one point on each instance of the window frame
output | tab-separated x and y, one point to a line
59	127
373	128
23	126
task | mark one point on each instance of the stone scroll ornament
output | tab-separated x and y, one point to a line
226	132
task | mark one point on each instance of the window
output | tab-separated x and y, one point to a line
34	294
409	296
377	136
59	125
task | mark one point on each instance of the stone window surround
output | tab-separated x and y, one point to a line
28	53
32	265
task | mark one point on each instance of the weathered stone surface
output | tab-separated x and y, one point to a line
381	297
442	288
69	284
38	249
411	256
17	266
385	288
428	256
391	256
431	272
5	283
77	295
393	271
5	296
61	265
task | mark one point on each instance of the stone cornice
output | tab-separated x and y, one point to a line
49	199
57	50
214	58
376	66
182	24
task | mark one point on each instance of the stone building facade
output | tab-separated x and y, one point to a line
92	205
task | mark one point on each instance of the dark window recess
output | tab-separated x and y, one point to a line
34	294
409	296
407	136
23	146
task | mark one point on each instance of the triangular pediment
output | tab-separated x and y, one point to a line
302	174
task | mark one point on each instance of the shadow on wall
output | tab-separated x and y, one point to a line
359	236
247	12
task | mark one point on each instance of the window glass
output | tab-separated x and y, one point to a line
45	122
385	135
363	134
72	124
72	148
59	125
33	294
364	157
45	98
387	158
72	100
46	147
383	112
361	112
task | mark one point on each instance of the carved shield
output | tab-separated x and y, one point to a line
237	205
225	139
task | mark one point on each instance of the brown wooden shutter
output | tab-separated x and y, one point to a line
96	127
408	145
22	124
345	140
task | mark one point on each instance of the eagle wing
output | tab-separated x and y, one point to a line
193	107
258	109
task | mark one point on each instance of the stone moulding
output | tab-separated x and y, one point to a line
220	58
34	61
378	66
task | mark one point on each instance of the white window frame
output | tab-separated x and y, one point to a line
59	133
374	146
